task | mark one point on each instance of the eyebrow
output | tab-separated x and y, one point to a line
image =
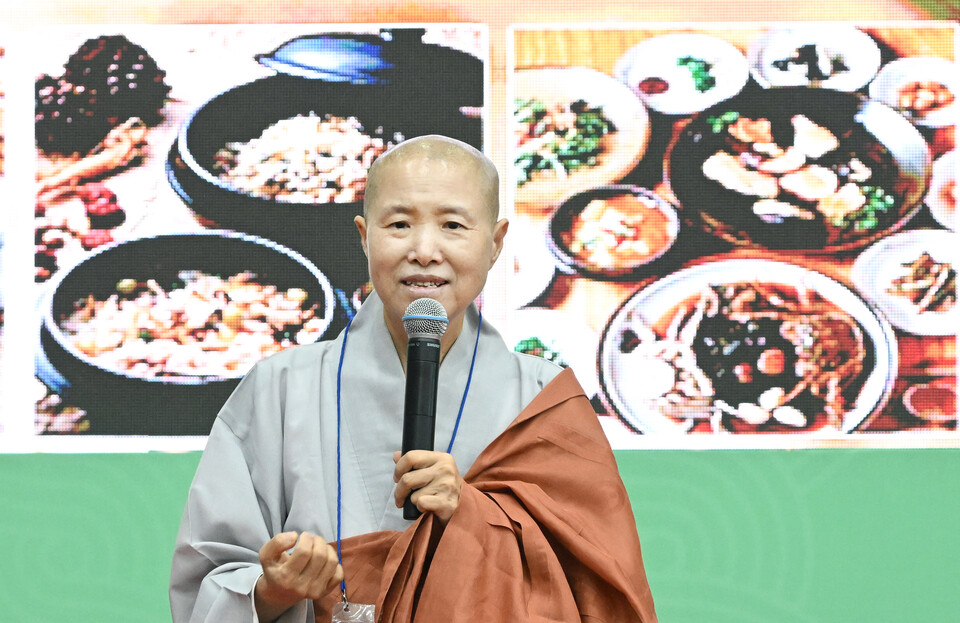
444	210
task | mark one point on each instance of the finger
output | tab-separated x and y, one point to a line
323	559
410	482
319	573
427	502
334	583
396	456
436	464
438	470
441	482
301	557
414	460
441	496
273	550
441	505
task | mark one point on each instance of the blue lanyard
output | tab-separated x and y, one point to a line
453	437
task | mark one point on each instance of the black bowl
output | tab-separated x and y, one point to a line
875	134
324	232
119	403
564	217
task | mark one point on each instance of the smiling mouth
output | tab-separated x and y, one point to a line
423	284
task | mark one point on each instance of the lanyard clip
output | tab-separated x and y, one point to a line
343	595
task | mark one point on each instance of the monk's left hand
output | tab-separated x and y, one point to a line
431	479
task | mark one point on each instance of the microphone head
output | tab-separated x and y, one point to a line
425	317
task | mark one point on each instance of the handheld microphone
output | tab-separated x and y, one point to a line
425	321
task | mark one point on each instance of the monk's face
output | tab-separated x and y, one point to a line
429	232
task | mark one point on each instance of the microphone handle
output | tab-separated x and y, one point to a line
420	401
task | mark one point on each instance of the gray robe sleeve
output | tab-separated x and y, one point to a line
225	523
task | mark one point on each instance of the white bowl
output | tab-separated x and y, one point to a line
875	269
899	73
942	196
621	149
628	398
658	57
533	264
852	48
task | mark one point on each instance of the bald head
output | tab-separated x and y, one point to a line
440	149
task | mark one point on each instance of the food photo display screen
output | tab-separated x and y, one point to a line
737	235
751	226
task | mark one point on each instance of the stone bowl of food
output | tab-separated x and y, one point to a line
151	335
612	232
799	168
286	157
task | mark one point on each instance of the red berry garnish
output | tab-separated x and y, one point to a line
771	361
95	237
743	372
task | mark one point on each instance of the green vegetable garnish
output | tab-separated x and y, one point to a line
719	124
867	217
699	71
560	139
535	346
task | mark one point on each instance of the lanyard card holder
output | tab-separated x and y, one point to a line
346	612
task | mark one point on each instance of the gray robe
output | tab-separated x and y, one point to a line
270	463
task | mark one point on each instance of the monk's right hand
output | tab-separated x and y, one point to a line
309	571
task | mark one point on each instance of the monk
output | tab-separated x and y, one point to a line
295	510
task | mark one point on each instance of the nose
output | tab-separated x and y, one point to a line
425	247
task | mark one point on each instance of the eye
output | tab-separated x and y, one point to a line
398	225
453	225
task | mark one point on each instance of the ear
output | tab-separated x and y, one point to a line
499	232
361	224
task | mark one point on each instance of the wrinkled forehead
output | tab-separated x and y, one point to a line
441	150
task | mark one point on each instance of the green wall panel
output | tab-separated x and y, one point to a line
728	536
800	536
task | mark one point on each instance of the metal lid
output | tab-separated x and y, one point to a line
358	59
394	56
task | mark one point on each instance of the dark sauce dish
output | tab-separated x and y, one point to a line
393	87
612	233
892	161
121	403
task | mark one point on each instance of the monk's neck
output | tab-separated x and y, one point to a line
399	336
